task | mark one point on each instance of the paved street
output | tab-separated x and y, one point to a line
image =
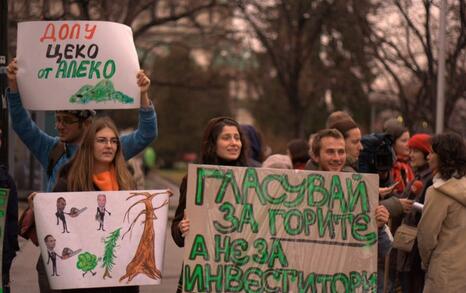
24	277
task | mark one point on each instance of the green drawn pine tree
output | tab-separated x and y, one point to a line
109	254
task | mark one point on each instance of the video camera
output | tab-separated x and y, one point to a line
378	155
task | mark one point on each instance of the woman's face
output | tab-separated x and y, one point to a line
432	158
401	145
417	158
105	145
229	143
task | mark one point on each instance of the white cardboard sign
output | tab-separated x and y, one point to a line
276	230
102	239
69	65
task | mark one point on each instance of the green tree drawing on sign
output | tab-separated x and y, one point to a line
87	262
109	253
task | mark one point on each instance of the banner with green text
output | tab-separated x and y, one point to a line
273	230
68	65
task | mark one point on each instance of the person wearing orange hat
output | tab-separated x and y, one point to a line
419	146
409	263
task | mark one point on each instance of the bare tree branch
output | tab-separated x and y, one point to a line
410	24
158	21
185	85
266	43
428	47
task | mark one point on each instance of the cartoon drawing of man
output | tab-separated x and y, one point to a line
61	204
101	210
50	242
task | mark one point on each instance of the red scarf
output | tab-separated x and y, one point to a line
403	173
106	180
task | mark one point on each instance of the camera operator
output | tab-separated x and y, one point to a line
378	157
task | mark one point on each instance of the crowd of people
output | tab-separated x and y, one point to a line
422	181
414	171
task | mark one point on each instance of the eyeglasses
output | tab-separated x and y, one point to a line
65	120
105	141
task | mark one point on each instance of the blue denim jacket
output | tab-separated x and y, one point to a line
40	143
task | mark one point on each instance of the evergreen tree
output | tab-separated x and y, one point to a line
109	253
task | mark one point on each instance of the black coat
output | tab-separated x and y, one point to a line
179	214
10	240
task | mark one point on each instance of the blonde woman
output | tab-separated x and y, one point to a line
98	166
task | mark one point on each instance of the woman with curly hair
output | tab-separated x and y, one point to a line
443	223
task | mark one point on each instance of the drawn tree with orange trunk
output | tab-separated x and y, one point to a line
143	261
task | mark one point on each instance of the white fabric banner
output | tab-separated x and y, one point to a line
102	239
69	65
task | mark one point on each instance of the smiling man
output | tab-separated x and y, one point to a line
352	135
328	147
329	151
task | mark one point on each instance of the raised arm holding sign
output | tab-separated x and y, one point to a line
72	123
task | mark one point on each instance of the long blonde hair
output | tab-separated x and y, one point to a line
82	165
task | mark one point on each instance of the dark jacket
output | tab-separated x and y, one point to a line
425	176
408	261
255	156
391	201
10	240
179	214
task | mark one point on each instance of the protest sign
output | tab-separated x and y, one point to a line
4	193
102	239
69	65
271	230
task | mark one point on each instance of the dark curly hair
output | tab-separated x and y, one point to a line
209	143
451	152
